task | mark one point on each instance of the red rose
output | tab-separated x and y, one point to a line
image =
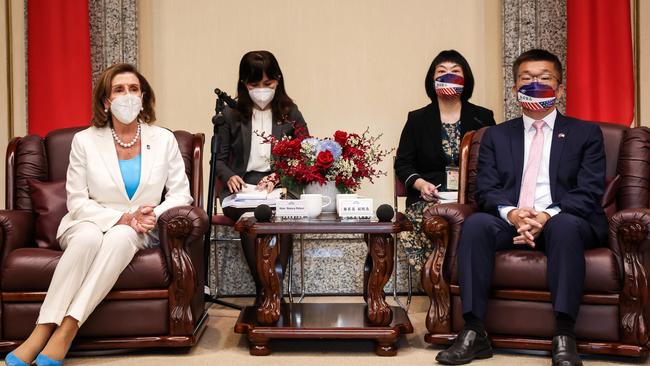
341	137
279	149
324	160
294	147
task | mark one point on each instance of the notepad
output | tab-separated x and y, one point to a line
448	197
250	197
250	192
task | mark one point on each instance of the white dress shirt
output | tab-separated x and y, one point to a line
543	197
262	122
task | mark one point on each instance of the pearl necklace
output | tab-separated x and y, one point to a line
130	143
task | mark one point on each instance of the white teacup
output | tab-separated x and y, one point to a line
314	203
341	196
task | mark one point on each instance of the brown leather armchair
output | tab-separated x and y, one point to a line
615	311
158	299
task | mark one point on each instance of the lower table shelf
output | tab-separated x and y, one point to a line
323	321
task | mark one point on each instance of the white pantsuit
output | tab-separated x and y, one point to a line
96	251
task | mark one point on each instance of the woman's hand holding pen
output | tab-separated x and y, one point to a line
428	191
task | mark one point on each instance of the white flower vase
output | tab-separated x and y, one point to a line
328	189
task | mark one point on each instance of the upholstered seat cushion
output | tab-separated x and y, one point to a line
31	269
526	270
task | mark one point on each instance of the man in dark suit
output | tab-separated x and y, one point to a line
540	182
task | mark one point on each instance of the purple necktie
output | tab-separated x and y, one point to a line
528	183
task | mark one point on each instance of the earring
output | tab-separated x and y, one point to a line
105	110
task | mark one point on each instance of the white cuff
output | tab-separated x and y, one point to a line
504	211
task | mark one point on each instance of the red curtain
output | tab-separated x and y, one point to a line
58	65
600	76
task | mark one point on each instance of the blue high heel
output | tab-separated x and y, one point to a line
42	360
12	360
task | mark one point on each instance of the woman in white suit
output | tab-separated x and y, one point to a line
118	170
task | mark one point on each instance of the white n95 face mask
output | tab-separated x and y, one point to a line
262	96
126	108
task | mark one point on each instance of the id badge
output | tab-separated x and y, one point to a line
452	178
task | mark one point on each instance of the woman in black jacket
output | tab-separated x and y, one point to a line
263	108
427	156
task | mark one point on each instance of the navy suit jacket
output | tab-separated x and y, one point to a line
576	171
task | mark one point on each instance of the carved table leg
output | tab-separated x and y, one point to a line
259	346
267	248
380	247
386	348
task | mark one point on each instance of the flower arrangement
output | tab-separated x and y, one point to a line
346	159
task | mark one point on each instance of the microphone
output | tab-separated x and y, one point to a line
263	213
226	98
385	213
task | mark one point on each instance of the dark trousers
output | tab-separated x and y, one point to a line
564	239
248	246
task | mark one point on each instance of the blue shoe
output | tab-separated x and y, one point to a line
42	360
12	360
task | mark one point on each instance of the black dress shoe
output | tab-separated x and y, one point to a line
468	345
565	352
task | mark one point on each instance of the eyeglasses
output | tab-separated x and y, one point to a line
545	78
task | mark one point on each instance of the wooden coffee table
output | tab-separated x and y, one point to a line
374	320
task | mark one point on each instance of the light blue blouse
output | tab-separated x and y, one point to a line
131	174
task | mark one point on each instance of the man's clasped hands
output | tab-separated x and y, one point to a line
529	224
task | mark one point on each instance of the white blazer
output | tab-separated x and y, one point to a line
94	185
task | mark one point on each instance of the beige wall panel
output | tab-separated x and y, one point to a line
12	66
4	97
347	64
19	72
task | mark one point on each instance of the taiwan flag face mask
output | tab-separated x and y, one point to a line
536	96
449	85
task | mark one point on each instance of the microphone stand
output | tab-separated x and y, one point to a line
217	121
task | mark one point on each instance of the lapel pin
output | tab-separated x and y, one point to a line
561	135
149	147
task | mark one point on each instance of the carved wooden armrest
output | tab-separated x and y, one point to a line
16	230
182	230
629	232
441	224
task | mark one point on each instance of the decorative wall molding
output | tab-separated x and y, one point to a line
113	33
531	24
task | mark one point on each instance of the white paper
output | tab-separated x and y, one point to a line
250	192
448	197
249	197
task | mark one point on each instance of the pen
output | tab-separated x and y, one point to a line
435	195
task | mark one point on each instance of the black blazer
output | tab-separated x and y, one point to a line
576	169
420	153
234	145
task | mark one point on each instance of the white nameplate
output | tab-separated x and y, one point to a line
290	209
355	208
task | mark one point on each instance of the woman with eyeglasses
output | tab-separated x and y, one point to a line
427	156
